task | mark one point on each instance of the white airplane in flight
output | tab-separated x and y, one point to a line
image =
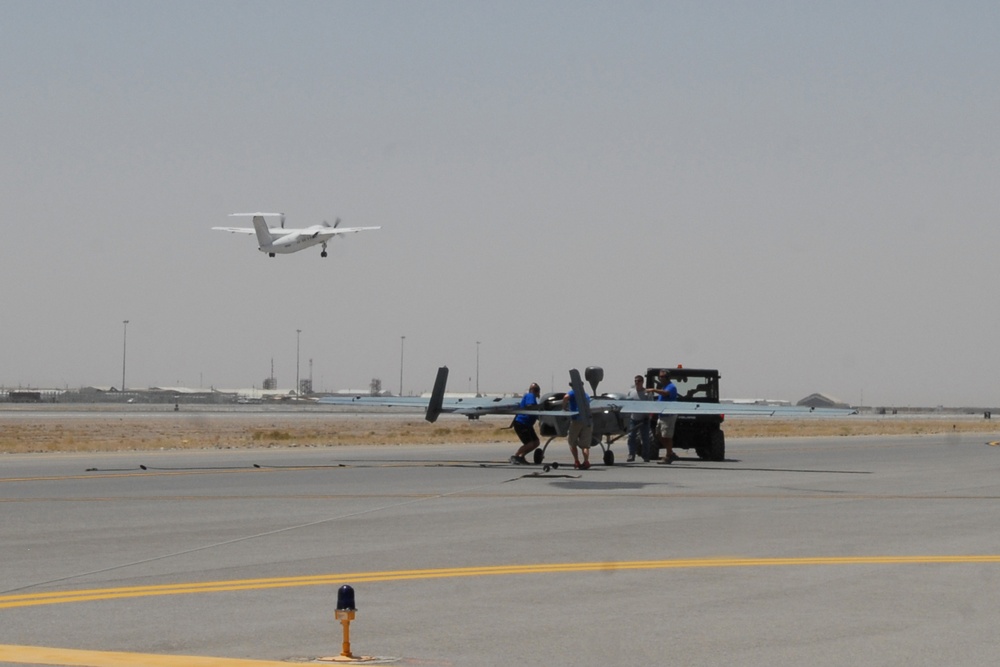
274	240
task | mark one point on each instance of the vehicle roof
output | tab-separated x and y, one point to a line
682	371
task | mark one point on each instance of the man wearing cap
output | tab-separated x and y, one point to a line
524	425
667	391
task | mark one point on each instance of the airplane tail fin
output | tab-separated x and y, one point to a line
437	396
264	237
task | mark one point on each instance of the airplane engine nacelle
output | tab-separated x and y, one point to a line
607	423
549	425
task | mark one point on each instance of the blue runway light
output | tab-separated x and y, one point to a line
345	599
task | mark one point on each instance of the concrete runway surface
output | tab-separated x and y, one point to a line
825	551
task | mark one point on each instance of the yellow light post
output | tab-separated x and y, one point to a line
345	614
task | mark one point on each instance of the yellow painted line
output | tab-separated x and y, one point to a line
40	655
87	595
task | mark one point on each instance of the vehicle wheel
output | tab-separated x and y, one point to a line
609	457
539	456
717	447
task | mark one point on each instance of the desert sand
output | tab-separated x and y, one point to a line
196	427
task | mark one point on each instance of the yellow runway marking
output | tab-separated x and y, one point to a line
88	595
40	655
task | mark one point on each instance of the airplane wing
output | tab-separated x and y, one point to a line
330	232
236	230
324	231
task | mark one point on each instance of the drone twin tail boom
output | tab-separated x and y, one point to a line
282	240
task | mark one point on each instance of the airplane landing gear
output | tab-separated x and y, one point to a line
323	254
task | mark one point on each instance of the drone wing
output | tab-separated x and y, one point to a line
734	409
438	403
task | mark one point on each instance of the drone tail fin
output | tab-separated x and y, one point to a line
437	396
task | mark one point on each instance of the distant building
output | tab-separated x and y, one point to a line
821	401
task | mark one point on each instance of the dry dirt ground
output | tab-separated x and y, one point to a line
80	430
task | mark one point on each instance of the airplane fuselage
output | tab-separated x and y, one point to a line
283	243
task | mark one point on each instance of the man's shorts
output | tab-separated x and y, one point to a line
665	426
525	432
580	434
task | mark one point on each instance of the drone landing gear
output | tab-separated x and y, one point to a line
608	455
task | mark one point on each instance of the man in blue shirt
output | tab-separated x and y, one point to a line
667	391
524	425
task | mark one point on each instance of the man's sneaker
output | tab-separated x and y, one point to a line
576	465
631	457
585	465
674	457
665	461
519	460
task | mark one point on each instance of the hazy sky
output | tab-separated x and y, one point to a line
803	195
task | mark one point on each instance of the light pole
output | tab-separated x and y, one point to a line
124	348
298	333
477	368
401	341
